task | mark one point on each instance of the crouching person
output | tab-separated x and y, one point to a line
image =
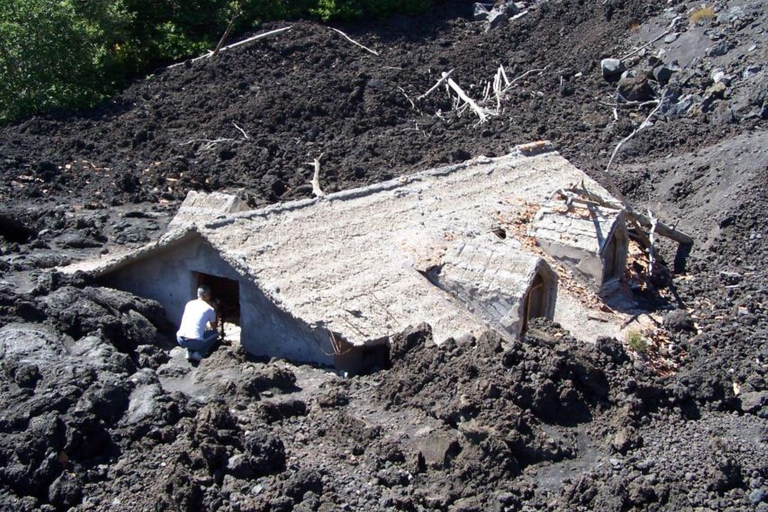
192	334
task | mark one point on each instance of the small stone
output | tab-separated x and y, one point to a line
611	67
730	278
718	50
756	496
679	320
751	71
671	38
682	107
480	12
635	89
496	18
662	74
715	91
753	400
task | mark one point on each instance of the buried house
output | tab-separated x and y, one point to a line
330	279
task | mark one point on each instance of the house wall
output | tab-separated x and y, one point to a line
492	281
167	276
587	263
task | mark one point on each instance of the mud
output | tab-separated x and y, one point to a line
101	412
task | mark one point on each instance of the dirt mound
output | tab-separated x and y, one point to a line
310	92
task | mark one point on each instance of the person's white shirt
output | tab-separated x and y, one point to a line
197	313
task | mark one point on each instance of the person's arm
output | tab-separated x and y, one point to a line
214	321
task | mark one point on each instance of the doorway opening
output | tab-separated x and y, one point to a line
614	258
225	298
536	300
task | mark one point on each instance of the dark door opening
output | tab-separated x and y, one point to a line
225	294
535	300
611	260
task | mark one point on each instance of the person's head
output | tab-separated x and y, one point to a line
204	293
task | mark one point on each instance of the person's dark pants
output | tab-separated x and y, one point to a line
203	346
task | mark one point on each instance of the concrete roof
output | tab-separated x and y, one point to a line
355	261
588	229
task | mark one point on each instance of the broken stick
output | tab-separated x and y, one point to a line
316	177
258	37
354	42
443	78
241	131
643	125
469	101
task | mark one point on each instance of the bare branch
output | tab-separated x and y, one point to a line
413	105
316	177
652	248
258	37
443	78
354	42
481	113
241	131
643	125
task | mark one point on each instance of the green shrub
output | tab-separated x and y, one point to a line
636	342
55	53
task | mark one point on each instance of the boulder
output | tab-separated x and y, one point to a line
753	401
636	89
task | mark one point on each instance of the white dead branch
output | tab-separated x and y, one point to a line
209	143
241	130
643	125
316	177
258	37
443	78
413	105
355	42
518	16
524	75
482	113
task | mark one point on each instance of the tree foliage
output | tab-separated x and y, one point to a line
74	53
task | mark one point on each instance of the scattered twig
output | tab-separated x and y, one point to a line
355	42
413	105
630	320
209	143
529	72
443	78
643	125
241	131
316	177
630	103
